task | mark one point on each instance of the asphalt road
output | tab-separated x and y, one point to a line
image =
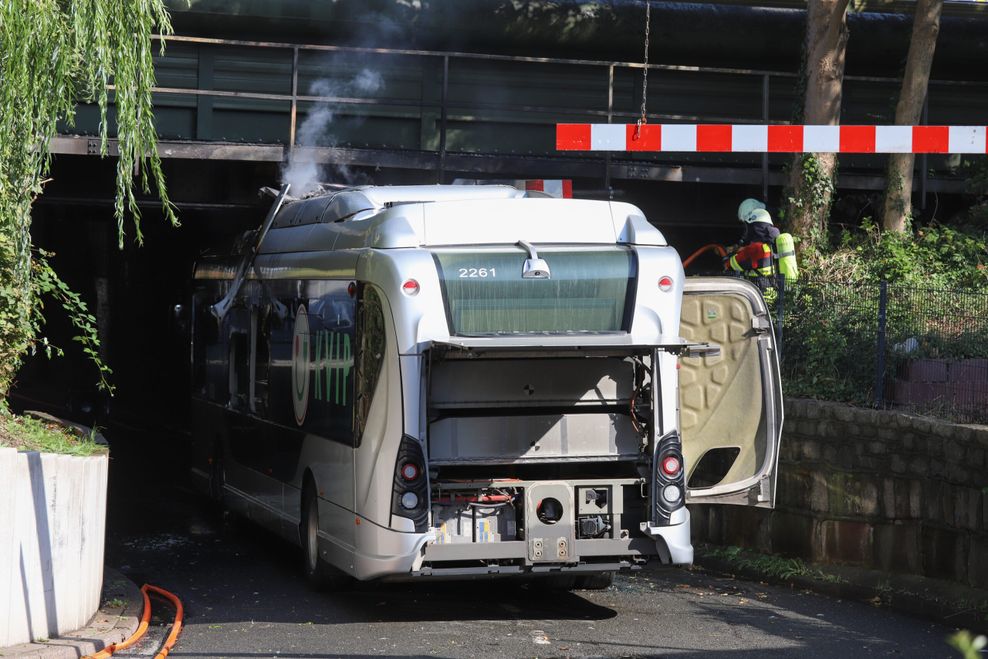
245	597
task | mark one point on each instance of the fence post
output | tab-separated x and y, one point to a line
780	313
883	295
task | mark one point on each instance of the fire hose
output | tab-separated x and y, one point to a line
706	248
143	626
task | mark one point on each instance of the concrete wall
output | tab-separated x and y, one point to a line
871	488
52	524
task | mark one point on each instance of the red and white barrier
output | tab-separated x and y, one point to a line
559	188
747	138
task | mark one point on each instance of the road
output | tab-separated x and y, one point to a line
245	597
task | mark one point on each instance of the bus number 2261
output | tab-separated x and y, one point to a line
473	273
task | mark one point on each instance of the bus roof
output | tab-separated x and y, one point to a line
447	215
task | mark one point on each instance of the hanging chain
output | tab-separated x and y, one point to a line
643	119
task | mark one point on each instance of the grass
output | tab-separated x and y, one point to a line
26	433
769	565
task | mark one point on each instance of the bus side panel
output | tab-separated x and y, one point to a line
378	446
315	433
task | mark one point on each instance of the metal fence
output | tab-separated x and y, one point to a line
885	345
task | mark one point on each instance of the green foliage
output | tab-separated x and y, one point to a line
807	205
768	565
937	307
30	434
933	256
969	645
977	185
47	283
53	54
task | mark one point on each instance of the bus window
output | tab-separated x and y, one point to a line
239	370
589	290
260	360
370	356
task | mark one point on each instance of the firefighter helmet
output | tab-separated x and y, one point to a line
747	207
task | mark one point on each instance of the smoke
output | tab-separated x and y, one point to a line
302	171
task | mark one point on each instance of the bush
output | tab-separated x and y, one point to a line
937	307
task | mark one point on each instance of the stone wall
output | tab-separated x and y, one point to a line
871	488
52	527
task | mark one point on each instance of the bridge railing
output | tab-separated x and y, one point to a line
260	92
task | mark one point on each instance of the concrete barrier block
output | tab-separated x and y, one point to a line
52	526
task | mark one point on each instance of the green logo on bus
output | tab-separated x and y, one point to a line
334	360
300	365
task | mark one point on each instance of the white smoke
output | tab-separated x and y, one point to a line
302	171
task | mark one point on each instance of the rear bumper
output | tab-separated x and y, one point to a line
416	555
673	541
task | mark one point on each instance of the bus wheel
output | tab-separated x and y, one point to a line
559	582
599	581
318	573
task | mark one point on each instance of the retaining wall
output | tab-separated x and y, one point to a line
871	488
52	528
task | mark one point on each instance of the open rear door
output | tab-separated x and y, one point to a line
731	403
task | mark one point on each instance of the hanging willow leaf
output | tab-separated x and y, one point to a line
53	55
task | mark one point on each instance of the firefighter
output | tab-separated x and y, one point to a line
758	223
761	245
753	255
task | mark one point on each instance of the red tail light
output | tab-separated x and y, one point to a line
671	465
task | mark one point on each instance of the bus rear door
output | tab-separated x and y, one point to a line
730	403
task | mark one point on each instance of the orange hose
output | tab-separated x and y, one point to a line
706	248
143	626
176	625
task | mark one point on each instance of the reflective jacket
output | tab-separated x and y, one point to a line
755	259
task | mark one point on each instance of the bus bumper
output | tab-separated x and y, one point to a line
673	541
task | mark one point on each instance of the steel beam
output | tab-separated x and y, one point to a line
491	164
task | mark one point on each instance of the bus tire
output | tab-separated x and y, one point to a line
559	582
599	581
319	574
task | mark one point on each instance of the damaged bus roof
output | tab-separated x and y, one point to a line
446	215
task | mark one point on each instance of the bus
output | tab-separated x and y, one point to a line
424	382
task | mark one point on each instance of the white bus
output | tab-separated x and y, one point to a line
461	381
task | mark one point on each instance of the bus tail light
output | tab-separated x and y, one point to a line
668	486
410	287
665	283
410	472
410	487
671	466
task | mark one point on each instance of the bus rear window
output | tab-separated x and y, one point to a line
589	290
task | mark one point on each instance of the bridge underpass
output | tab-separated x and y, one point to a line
233	113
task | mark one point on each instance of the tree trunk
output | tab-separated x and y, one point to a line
811	177
899	183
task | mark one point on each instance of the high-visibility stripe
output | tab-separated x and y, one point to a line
761	138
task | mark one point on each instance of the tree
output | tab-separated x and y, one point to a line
897	209
812	176
54	54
